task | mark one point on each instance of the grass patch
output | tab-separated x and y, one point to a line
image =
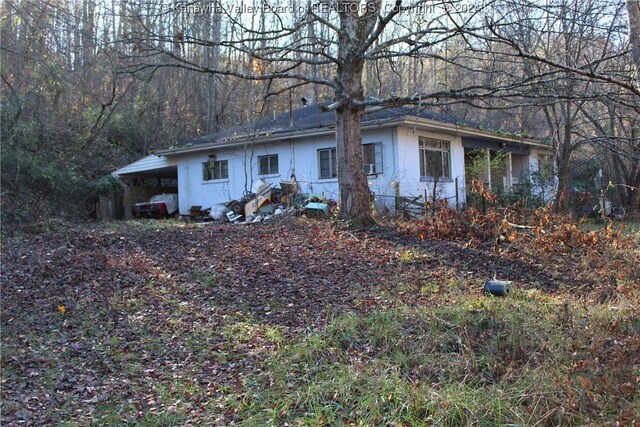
110	415
148	224
411	256
209	280
483	361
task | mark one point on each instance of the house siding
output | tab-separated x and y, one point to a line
408	172
299	158
400	158
306	166
400	164
243	171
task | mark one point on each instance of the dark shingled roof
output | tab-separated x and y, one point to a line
308	118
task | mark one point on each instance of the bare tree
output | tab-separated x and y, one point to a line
342	37
562	57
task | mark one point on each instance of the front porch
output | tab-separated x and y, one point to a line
502	167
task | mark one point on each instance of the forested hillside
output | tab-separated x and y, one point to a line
90	85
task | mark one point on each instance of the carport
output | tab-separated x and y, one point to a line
149	176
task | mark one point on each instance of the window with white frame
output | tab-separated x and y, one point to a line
327	162
215	170
268	165
372	158
434	158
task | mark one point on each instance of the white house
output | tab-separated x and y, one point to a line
412	149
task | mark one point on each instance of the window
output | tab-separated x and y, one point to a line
215	170
434	158
372	157
268	165
327	159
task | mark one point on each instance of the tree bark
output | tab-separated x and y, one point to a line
354	191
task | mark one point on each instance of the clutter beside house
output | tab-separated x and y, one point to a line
264	203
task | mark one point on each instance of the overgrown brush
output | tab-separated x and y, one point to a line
605	258
39	194
45	182
549	232
444	223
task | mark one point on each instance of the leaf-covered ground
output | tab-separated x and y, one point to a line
155	323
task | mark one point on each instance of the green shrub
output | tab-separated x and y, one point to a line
36	188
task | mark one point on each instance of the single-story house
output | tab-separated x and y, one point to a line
404	147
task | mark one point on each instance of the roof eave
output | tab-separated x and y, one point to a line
465	131
325	130
280	136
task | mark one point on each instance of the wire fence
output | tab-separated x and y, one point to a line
416	206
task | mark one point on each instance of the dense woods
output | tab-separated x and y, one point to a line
89	85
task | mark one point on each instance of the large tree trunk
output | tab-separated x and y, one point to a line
354	191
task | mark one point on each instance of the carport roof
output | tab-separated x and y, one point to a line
151	166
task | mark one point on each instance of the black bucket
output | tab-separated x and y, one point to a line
499	288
